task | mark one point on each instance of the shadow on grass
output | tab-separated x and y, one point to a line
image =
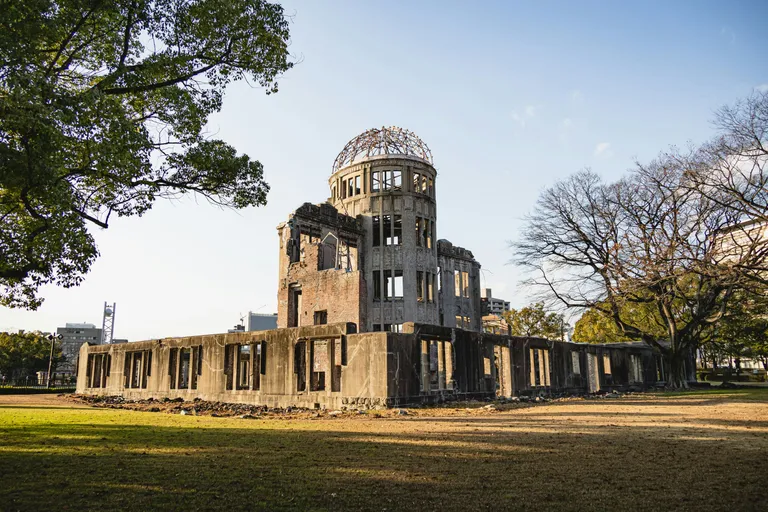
420	463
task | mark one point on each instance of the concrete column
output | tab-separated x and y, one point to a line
424	366
532	369
449	365
507	389
441	365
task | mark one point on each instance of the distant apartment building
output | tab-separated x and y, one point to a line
261	321
491	305
73	335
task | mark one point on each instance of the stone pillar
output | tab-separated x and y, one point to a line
424	366
440	365
449	365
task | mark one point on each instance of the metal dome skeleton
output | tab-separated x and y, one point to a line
391	140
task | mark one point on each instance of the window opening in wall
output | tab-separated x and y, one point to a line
397	285
197	362
393	229
173	363
426	234
350	188
416	182
294	244
430	287
185	355
393	327
136	372
419	286
229	366
333	193
536	368
327	253
418	231
398	229
635	368
358	190
257	349
459	321
320	365
439	279
391	180
457	282
575	363
376	327
397	180
375	181
465	284
376	285
607	364
336	368
387	222
243	366
97	370
430	228
431	187
375	228
321	317
345	256
423	184
660	376
295	307
343	189
300	365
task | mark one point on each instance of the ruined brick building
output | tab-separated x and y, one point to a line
373	310
370	255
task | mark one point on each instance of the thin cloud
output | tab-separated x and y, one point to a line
603	149
529	112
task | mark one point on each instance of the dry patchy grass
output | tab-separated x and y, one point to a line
692	451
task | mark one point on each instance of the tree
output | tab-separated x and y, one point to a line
102	111
534	321
23	354
594	326
743	330
657	238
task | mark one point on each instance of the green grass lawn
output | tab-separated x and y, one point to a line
692	451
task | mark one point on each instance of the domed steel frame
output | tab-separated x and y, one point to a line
391	140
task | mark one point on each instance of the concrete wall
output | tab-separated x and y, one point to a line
331	366
362	376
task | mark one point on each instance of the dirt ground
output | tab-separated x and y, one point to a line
687	451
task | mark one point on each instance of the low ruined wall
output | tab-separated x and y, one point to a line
330	366
362	360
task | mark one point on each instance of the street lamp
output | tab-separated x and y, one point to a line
53	338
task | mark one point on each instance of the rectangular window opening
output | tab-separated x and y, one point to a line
419	286
321	317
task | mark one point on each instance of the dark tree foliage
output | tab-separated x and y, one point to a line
22	354
102	111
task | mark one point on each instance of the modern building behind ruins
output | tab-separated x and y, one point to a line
373	310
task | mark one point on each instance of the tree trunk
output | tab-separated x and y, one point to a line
677	377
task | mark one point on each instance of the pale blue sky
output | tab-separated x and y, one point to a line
510	97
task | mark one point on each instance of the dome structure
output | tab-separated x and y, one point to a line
382	141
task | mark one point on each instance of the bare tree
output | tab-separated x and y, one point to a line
663	239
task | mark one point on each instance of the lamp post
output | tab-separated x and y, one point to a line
53	338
